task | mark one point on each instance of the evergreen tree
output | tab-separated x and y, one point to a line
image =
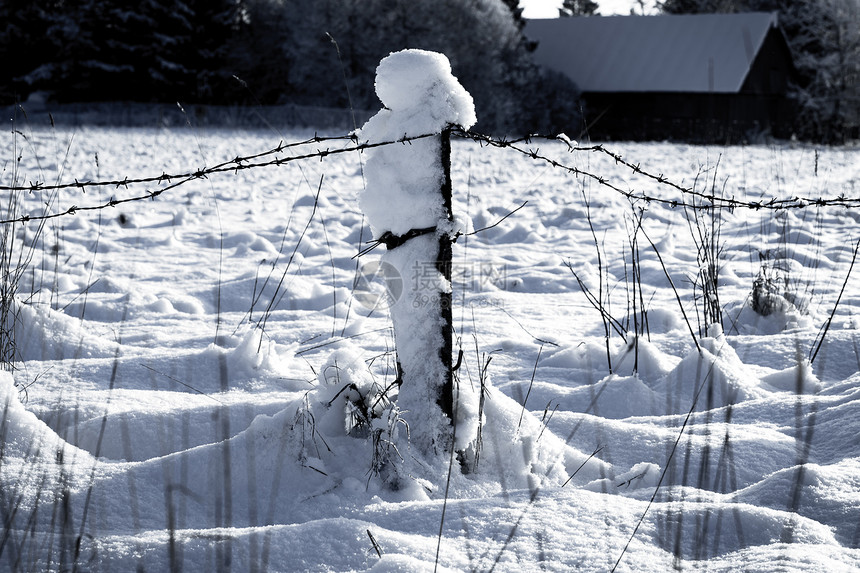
214	28
162	55
76	30
119	50
23	48
824	37
314	75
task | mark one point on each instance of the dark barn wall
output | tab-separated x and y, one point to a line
772	69
699	118
760	107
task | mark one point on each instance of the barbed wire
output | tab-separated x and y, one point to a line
233	165
702	200
236	163
711	200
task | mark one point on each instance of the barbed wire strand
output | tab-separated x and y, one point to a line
713	201
701	200
233	165
225	166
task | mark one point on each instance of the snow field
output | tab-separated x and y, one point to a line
192	373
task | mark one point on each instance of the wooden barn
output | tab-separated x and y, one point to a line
719	78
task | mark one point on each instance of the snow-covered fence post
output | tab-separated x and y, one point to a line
407	202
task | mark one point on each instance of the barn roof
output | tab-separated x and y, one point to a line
667	53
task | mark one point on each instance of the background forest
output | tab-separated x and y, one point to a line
322	53
304	52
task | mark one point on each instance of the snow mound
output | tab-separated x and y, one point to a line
642	355
784	316
520	451
711	377
798	379
404	564
251	358
641	475
45	334
350	397
25	436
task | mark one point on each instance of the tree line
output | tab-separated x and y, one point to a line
320	53
323	53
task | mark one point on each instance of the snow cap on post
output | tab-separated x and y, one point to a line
421	97
420	83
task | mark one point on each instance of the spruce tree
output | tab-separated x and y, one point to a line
213	29
24	49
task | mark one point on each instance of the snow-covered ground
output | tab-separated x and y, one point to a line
173	406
